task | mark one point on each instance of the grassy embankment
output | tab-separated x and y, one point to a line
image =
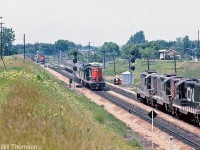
37	109
187	69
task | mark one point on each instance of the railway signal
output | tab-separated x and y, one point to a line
75	54
152	114
75	68
132	60
131	67
74	61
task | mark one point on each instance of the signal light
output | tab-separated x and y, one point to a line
74	60
74	68
74	53
132	60
132	52
133	68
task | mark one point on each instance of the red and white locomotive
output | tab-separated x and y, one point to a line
39	58
89	75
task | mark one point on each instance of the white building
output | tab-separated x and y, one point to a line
162	53
126	78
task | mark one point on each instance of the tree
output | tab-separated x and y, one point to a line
126	50
111	49
64	45
137	38
186	45
7	41
148	53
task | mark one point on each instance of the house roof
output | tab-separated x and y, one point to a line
162	50
127	72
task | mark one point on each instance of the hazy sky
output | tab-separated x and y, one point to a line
100	21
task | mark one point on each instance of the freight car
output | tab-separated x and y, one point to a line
175	95
89	75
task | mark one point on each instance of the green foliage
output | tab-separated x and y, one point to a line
111	49
186	45
136	144
148	53
39	109
137	38
126	50
100	118
64	45
8	39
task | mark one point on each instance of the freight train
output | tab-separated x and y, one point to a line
175	95
39	58
89	75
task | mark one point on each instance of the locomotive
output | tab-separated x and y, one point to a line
176	95
89	75
39	58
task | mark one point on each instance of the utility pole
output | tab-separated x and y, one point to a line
2	44
129	64
104	59
198	51
114	64
24	47
1	38
175	64
89	52
148	62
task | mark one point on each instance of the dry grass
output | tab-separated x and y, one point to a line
42	113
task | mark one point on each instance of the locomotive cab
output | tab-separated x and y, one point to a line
87	73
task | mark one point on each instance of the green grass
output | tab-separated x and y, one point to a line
37	109
186	69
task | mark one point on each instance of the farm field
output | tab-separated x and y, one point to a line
188	69
36	109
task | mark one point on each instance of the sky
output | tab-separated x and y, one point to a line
99	21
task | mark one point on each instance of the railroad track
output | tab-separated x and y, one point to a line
173	130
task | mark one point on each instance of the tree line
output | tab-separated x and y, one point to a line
137	43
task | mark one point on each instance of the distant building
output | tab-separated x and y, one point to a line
162	53
85	52
168	54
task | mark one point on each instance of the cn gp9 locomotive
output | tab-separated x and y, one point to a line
89	75
39	58
176	95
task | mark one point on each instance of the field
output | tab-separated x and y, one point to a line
37	109
188	69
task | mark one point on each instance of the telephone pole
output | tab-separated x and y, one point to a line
24	48
89	52
175	64
148	62
1	38
198	51
2	43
